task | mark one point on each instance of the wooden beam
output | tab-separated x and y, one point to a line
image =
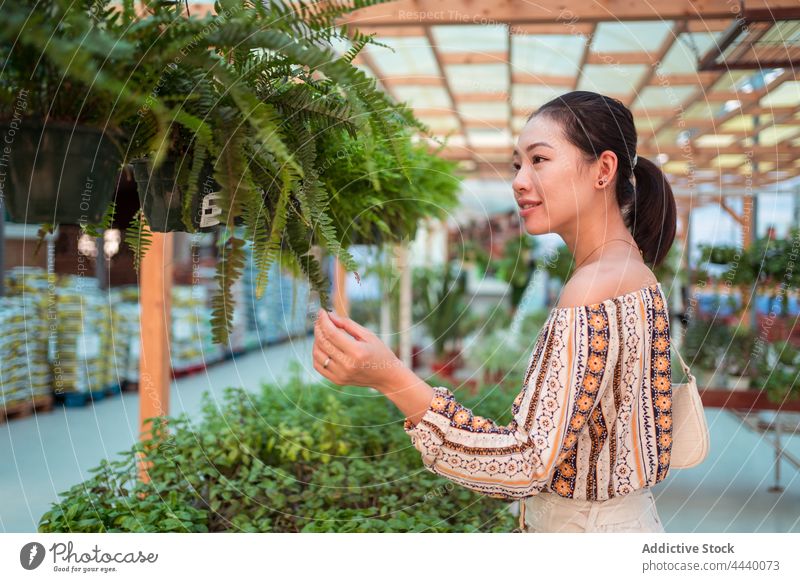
752	100
677	80
676	152
464	153
474	58
755	153
562	28
525	78
587	50
434	111
620	58
652	113
438	57
367	59
415	80
705	87
778	116
730	211
155	373
510	80
710	24
662	51
498	97
748	236
469	12
484	123
393	31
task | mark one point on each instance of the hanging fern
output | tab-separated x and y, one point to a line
266	248
229	268
138	237
289	127
299	244
96	229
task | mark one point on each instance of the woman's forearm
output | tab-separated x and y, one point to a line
408	392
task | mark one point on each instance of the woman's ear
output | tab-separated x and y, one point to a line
606	168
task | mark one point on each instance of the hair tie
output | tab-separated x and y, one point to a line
635	159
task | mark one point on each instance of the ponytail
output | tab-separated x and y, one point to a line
651	215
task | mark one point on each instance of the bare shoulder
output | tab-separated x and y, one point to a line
604	280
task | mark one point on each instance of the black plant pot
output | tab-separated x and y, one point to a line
162	199
58	172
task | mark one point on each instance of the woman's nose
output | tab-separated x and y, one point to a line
521	183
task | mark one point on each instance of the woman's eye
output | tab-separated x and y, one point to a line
534	158
515	166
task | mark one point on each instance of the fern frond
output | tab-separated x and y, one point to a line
298	241
138	237
230	266
96	229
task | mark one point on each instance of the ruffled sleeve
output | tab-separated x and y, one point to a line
571	364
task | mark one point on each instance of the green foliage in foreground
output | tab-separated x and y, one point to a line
310	458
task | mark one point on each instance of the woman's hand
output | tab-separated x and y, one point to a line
357	356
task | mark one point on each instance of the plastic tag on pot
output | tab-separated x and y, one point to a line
209	211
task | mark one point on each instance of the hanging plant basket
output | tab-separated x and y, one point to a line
59	173
375	237
162	199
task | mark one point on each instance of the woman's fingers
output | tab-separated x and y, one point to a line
319	356
340	340
326	346
352	327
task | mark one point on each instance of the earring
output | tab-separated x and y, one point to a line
601	182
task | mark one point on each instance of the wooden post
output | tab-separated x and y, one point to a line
748	227
386	300
404	326
341	305
155	298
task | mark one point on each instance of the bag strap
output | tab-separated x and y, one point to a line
683	364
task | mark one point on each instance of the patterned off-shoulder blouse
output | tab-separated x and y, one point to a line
593	420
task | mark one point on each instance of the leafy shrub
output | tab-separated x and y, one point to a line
777	365
292	458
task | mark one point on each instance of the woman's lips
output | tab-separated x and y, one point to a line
530	210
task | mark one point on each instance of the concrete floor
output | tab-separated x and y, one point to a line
43	455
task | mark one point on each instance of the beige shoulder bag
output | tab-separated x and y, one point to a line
690	440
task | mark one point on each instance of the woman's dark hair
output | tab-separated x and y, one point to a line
595	123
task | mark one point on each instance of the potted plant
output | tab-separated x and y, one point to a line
516	265
718	254
255	91
377	200
704	345
286	97
475	254
440	305
737	362
777	367
559	263
496	353
60	111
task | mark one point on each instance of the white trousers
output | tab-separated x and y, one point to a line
551	513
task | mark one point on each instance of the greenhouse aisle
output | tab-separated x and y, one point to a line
53	452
